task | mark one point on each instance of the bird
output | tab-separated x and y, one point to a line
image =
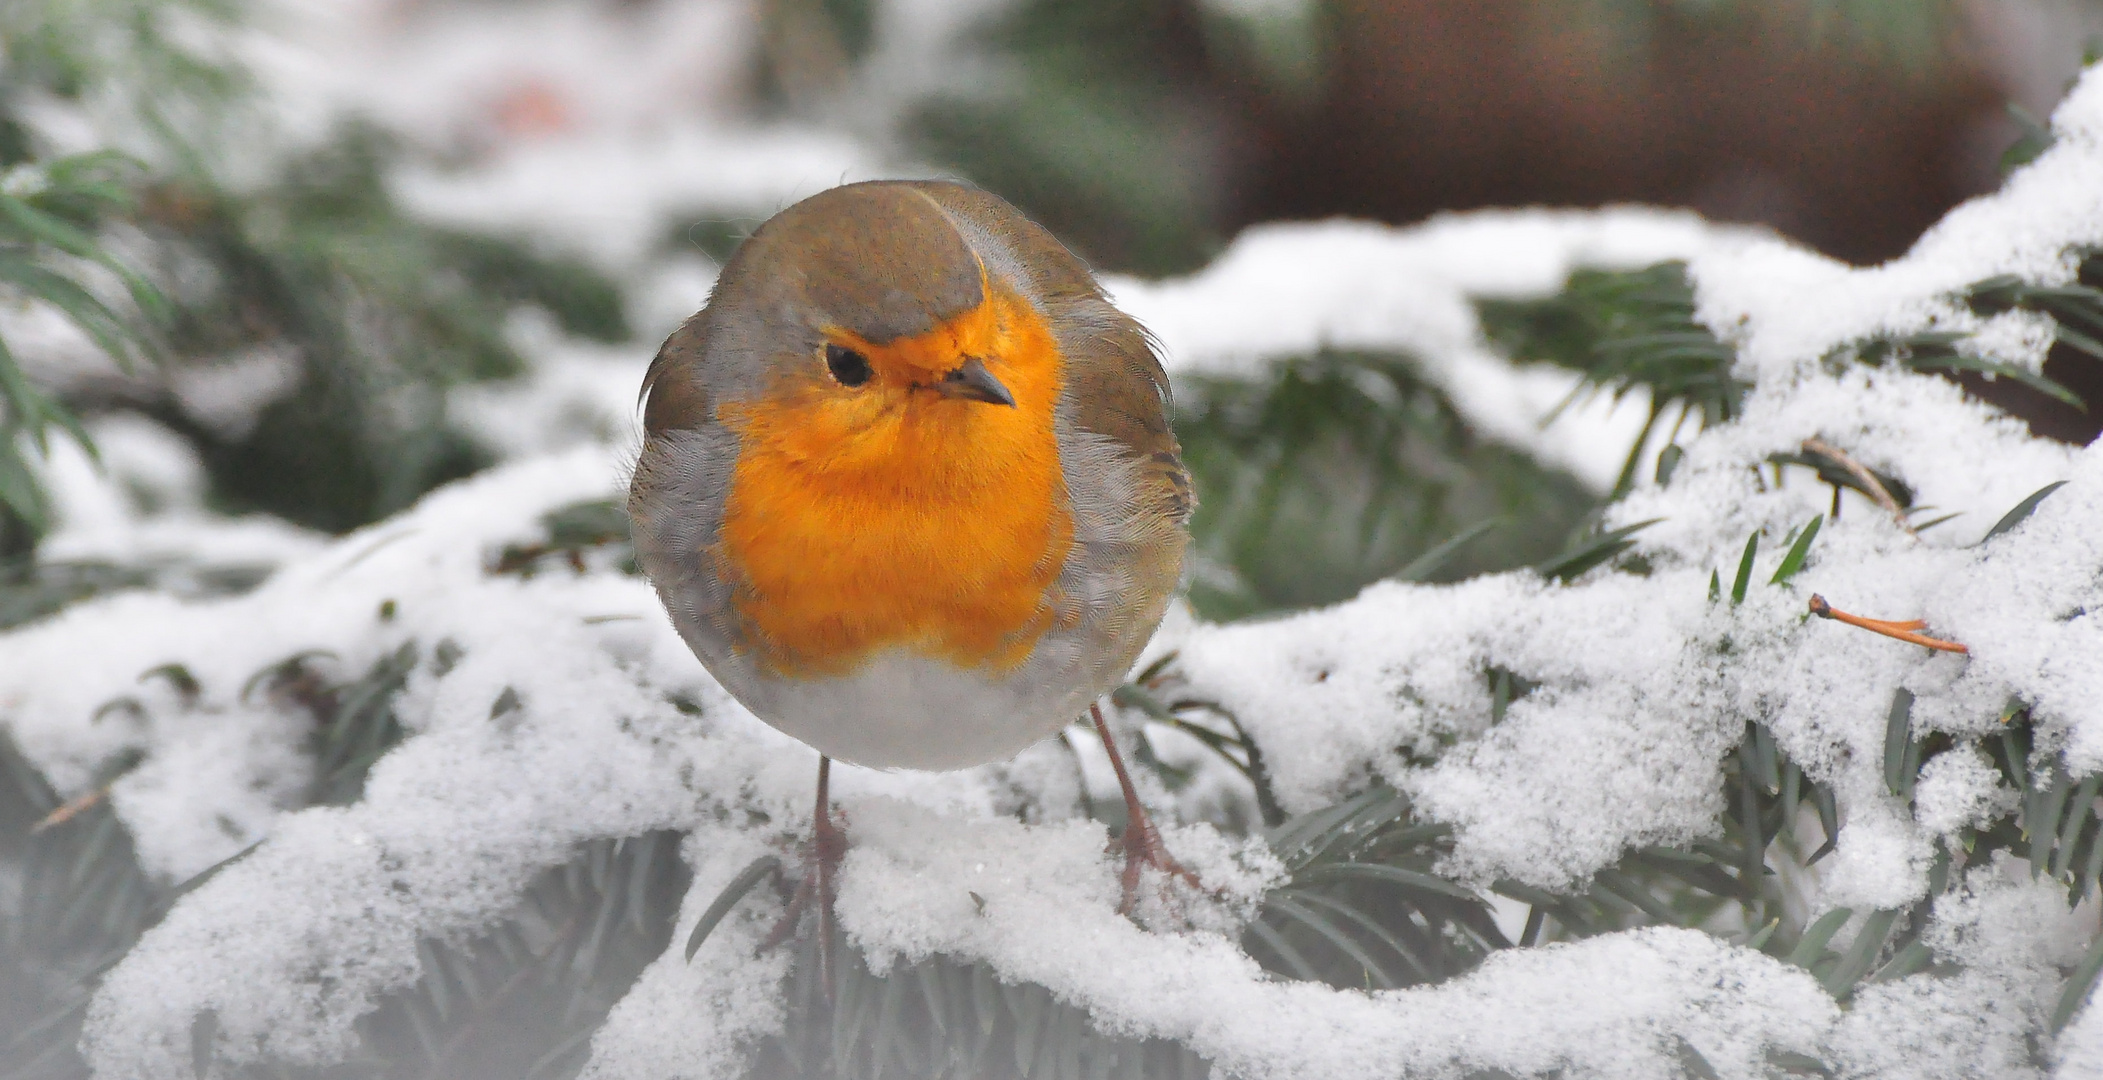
909	491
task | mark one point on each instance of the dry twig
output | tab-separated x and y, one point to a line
70	809
1862	475
1908	630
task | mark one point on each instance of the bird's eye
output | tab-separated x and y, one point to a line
849	368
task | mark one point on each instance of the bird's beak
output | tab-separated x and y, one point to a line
974	383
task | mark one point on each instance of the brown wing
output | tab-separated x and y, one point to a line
1117	390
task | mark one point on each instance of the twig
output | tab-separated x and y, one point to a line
70	809
1907	630
1862	475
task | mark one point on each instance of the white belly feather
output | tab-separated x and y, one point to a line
901	710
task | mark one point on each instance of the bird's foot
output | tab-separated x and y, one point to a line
1141	842
1143	851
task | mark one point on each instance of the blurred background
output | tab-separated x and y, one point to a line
296	261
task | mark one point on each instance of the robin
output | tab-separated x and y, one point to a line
908	490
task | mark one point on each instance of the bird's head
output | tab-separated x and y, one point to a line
861	324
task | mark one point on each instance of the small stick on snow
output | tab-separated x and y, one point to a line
70	809
1908	630
1867	479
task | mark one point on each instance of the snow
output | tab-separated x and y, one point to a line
2028	601
1637	688
686	1020
145	505
1285	290
1604	1007
2011	936
1641	682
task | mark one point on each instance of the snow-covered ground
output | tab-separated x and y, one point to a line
1638	697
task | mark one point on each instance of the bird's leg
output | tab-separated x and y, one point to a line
828	846
1141	840
821	861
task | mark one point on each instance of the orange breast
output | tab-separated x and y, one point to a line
888	516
